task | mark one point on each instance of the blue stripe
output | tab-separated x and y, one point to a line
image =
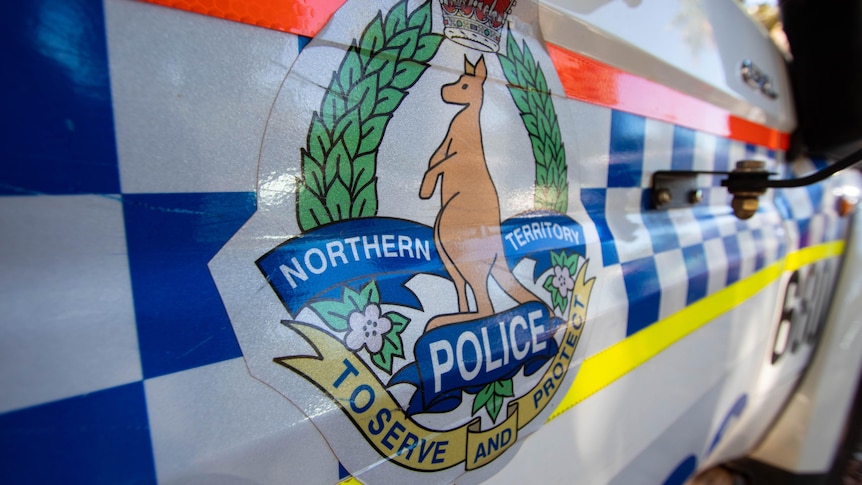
760	246
594	201
626	150
659	225
721	162
698	272
707	221
57	129
734	257
644	293
181	320
101	437
782	205
804	226
815	195
682	157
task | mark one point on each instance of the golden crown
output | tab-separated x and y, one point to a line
477	24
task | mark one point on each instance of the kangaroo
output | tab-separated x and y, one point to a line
467	230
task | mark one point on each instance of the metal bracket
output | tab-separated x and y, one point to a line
675	189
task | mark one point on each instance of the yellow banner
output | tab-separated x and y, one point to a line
351	384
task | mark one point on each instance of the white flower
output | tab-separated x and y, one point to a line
563	281
367	329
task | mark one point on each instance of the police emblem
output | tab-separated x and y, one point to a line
434	312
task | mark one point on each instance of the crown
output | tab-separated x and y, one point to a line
477	24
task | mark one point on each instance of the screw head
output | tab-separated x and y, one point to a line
695	196
662	197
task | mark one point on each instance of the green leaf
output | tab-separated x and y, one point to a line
509	70
407	72
353	298
512	49
369	294
406	42
364	95
350	71
334	162
557	300
363	171
313	173
365	200
504	388
421	17
372	133
332	108
541	83
396	19
372	38
558	259
483	397
334	313
572	263
347	131
318	139
311	212
530	123
392	344
529	62
338	201
388	100
427	46
383	64
537	152
519	96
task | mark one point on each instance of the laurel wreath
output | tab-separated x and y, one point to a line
531	95
339	161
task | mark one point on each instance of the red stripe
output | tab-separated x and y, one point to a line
588	80
301	17
583	78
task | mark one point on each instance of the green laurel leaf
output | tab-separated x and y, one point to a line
529	90
372	133
407	72
338	163
363	172
338	201
373	38
421	17
366	200
396	20
314	213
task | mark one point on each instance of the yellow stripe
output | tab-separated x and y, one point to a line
600	370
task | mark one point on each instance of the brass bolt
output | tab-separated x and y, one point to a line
695	196
745	203
744	206
662	197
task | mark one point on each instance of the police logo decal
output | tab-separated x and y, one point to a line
441	330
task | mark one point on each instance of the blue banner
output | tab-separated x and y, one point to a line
534	234
468	356
391	251
351	253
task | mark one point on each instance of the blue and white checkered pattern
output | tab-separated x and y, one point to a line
117	356
694	252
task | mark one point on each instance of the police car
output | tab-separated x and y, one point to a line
392	241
